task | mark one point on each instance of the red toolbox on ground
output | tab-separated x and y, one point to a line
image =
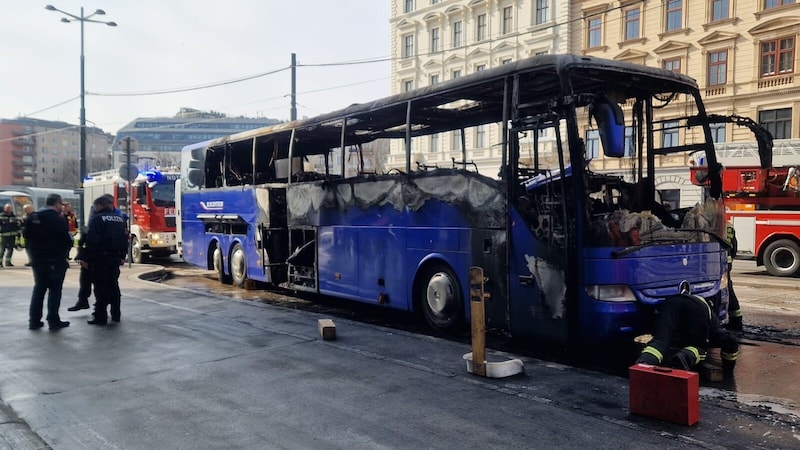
667	394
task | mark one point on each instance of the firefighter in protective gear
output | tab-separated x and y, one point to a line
10	226
734	311
685	328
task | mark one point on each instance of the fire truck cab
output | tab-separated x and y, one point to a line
148	201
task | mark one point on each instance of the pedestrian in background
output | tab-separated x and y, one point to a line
47	237
27	210
9	231
106	246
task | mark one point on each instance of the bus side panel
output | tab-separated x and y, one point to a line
338	259
380	266
537	287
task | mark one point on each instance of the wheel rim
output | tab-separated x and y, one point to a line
784	259
136	251
238	263
440	294
217	260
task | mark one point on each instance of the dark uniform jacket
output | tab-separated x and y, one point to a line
47	237
9	225
107	237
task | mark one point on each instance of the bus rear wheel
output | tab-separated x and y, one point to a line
441	299
219	266
782	258
238	266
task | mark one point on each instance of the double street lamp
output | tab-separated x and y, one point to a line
81	18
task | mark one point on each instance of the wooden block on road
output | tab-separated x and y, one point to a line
327	329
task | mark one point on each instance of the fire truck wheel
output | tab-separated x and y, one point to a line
782	258
219	266
441	298
136	251
238	266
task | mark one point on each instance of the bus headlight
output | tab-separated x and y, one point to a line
610	292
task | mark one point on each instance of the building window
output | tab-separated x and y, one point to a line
480	67
541	11
408	6
719	10
433	2
480	29
435	40
630	146
669	134
673	64
594	32
717	68
408	85
505	61
480	136
718	132
408	46
456	74
776	3
434	79
777	57
777	121
434	142
457	34
632	23
508	26
455	144
592	144
674	15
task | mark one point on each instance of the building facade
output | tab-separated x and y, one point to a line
159	140
37	152
438	40
742	54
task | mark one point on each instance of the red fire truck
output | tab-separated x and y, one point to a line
764	207
150	206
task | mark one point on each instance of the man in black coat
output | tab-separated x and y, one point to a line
49	242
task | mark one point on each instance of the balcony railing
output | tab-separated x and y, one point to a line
779	81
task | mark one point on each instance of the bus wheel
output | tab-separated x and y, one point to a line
238	266
782	258
136	251
219	266
441	299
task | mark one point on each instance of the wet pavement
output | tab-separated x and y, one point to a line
203	370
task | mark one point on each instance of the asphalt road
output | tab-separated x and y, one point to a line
190	370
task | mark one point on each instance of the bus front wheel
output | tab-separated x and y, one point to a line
219	266
238	266
441	299
782	258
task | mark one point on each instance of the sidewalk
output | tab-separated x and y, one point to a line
187	370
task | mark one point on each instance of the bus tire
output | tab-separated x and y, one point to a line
441	298
782	258
136	251
238	262
219	266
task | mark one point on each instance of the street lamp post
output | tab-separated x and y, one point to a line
82	162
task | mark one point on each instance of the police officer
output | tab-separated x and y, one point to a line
106	246
685	328
9	231
734	311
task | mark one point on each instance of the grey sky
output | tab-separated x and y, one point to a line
172	44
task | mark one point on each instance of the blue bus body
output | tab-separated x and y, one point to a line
581	258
